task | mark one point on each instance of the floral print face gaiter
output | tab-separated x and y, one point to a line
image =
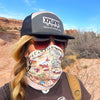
44	66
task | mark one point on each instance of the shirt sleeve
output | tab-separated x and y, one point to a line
85	94
5	92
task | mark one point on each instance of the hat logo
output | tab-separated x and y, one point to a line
51	23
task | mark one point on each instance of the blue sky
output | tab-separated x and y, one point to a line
82	15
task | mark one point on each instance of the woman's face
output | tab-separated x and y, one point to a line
43	42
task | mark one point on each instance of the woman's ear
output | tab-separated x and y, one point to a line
30	48
27	53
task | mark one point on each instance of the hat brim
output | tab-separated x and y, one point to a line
63	36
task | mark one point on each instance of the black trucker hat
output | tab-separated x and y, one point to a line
43	23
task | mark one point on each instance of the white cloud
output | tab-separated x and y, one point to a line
66	26
6	15
12	15
38	9
95	19
2	8
94	23
30	2
33	1
41	9
89	28
82	29
27	2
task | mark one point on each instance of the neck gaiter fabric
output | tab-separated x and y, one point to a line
44	67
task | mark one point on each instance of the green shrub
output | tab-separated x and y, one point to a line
87	45
2	29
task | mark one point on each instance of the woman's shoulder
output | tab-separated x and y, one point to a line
5	92
76	84
85	94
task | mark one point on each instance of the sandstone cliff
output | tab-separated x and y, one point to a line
4	22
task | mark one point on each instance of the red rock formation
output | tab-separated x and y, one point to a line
98	35
70	32
10	23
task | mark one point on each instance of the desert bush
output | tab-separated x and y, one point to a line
8	28
15	28
69	58
2	29
87	45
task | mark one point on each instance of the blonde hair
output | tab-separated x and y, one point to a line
18	83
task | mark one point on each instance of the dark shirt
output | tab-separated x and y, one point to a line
61	91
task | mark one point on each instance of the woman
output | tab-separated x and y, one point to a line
38	73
